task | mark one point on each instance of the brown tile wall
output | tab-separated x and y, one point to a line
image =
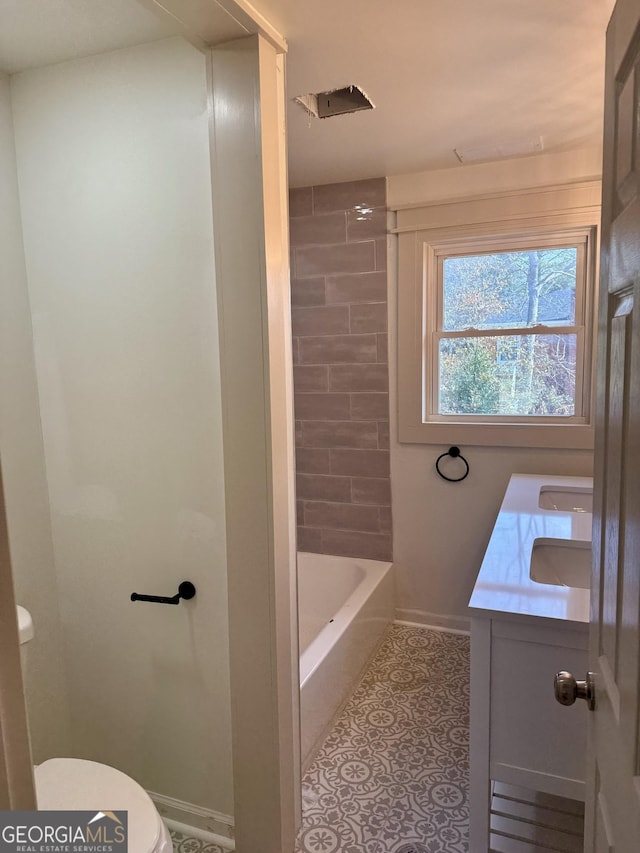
341	375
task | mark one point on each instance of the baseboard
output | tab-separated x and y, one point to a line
434	621
183	816
200	834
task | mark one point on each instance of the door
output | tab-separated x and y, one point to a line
613	795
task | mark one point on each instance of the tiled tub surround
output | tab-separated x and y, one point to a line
341	375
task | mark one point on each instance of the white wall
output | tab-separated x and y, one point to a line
115	184
23	469
441	529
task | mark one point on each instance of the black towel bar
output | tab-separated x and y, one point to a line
186	590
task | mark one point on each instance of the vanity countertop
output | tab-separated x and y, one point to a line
503	586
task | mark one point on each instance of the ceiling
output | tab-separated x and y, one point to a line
44	32
36	33
443	74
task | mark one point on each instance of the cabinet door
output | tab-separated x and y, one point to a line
535	742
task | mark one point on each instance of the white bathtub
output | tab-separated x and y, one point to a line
344	607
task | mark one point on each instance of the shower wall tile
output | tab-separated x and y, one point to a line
337	258
310	378
367	317
339	349
359	377
383	345
371	490
321	487
366	223
341	516
310	539
340	434
363	287
348	543
301	202
350	195
369	407
321	320
341	378
323	407
385	518
312	461
306	292
318	230
360	463
383	435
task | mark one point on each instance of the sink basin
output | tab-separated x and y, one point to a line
561	562
566	499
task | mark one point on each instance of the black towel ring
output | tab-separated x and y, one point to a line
454	452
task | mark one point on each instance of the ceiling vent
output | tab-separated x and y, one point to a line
338	102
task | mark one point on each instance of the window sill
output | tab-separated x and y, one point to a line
569	436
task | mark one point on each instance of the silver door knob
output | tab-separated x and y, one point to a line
567	689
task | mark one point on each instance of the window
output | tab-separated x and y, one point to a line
509	333
502	330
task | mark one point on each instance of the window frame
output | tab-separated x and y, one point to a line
537	219
437	253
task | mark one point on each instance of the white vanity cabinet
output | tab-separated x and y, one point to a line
522	633
519	733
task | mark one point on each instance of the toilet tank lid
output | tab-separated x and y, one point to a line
75	783
25	625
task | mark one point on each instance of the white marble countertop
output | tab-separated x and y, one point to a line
503	585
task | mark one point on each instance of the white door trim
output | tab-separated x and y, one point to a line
252	272
16	773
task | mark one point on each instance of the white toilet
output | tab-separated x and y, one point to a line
73	783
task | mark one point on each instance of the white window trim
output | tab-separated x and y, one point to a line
547	215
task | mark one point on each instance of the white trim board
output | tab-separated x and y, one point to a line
183	816
252	283
200	834
216	22
518	173
433	621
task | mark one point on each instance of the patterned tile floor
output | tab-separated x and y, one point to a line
392	776
186	844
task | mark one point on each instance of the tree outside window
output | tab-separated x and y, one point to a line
507	341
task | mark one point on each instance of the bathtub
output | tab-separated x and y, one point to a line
344	607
